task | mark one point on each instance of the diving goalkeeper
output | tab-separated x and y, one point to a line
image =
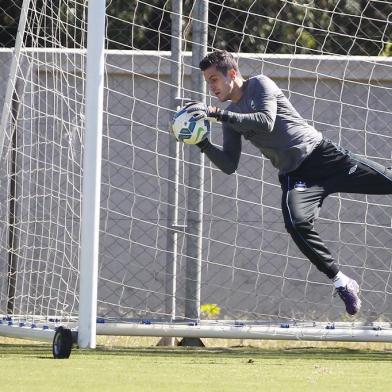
310	166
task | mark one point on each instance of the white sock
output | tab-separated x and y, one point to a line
340	280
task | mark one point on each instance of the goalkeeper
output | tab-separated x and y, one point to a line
310	166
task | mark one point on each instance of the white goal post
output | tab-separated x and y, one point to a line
92	162
105	227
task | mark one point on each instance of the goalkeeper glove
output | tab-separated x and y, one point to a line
211	113
203	144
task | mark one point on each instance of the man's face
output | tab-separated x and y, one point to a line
219	84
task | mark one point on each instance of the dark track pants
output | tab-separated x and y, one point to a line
328	169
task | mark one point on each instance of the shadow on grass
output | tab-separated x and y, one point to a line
246	352
44	351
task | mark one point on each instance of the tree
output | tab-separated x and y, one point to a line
348	27
9	17
355	27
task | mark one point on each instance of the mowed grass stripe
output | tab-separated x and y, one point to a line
31	368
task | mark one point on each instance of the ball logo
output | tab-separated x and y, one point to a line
300	186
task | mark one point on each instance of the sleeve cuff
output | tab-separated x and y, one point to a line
203	144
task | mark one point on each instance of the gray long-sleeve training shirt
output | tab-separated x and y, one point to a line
266	118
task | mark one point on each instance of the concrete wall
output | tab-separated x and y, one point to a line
251	268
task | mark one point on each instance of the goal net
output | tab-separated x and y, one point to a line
329	59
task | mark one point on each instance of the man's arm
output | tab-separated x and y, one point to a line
227	159
262	111
263	120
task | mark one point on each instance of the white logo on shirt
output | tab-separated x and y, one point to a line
300	186
252	105
353	169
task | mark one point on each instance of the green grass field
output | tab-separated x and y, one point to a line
272	366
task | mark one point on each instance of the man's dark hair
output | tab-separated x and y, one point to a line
222	60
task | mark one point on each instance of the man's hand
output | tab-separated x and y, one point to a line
211	113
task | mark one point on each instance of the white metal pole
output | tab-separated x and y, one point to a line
194	222
174	163
91	174
221	331
11	85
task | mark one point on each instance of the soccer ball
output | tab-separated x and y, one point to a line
189	130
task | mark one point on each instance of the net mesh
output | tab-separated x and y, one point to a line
251	269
